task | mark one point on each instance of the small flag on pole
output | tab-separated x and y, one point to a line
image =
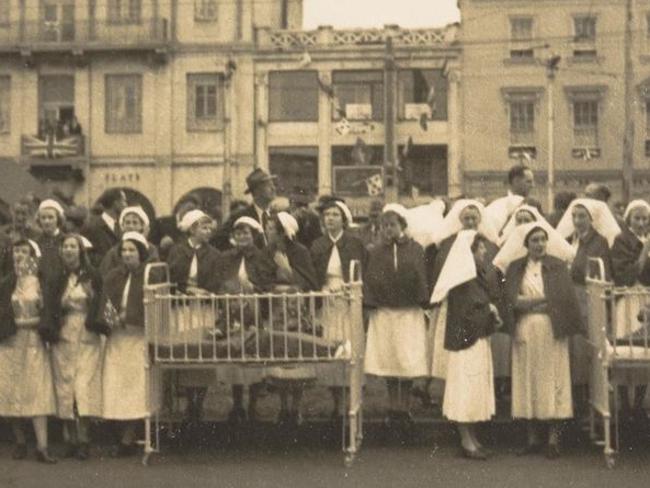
343	127
375	185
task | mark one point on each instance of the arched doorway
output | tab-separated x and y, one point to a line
134	197
209	200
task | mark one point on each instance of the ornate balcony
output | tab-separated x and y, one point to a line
79	36
326	37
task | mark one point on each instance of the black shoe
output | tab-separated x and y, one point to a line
69	450
530	449
475	455
552	451
20	452
83	451
44	457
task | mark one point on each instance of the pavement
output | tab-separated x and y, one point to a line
266	457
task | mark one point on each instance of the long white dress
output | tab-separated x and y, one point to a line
26	388
77	358
124	385
439	355
239	374
541	373
396	343
469	389
335	321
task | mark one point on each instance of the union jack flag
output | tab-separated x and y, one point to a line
51	147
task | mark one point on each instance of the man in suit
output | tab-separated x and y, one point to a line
261	187
103	231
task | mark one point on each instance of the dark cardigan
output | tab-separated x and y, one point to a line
468	314
8	326
562	303
304	275
593	246
624	254
180	260
384	286
228	269
50	264
53	311
114	285
350	248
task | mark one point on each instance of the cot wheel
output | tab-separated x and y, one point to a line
610	462
349	460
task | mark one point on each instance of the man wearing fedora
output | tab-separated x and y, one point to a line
260	185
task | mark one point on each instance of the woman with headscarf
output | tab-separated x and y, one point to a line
332	254
122	313
288	267
591	228
26	389
132	219
470	285
72	300
540	310
192	267
500	341
465	214
630	256
240	270
51	219
395	289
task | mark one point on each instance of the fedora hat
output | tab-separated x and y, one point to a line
256	178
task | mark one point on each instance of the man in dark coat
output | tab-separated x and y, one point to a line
261	186
103	231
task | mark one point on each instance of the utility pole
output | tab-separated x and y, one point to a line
391	193
551	68
226	196
628	138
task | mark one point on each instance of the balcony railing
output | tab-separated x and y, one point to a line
328	37
88	34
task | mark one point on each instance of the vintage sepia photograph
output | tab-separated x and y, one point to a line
324	243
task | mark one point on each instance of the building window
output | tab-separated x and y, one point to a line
123	104
354	166
360	94
296	168
647	25
522	122
521	28
584	27
293	96
4	13
204	102
585	123
521	32
124	11
5	104
422	91
205	10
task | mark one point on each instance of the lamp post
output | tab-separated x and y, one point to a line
552	66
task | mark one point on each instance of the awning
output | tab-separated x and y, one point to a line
16	181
